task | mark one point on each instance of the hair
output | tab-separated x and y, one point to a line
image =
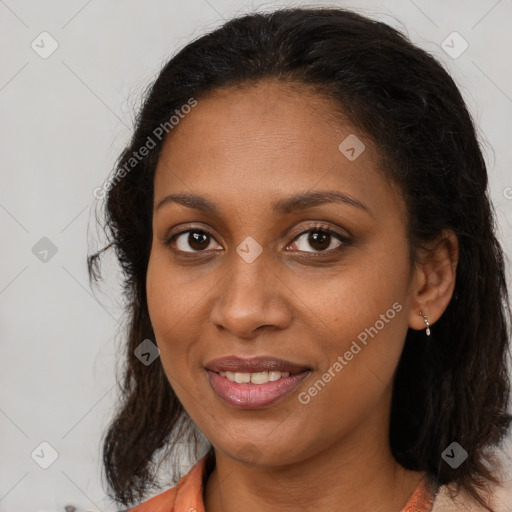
453	386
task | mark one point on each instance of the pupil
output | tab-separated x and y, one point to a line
313	239
195	238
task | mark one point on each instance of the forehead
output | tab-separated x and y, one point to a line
266	140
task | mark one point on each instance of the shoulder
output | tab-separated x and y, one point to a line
187	493
450	500
163	502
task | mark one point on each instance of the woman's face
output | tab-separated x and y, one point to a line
257	275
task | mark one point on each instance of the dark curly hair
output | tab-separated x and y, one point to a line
456	386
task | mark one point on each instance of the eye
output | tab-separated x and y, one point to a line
198	239
320	238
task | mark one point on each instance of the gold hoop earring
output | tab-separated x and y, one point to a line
426	322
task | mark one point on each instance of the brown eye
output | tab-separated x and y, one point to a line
197	240
320	239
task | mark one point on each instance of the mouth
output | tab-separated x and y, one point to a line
254	378
259	364
254	383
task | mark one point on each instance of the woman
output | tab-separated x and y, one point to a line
303	220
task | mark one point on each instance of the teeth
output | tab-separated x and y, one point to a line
242	378
259	378
276	375
254	378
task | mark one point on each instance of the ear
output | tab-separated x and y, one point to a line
434	280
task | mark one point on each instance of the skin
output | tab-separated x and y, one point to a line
244	149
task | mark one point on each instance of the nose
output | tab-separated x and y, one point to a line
252	298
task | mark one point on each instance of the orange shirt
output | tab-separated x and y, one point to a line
187	495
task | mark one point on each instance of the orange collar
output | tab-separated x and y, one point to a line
187	495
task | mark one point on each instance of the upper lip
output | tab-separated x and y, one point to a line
254	364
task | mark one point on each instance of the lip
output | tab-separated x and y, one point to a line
254	396
254	364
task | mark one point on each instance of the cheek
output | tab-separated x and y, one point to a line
355	380
352	298
168	306
171	300
361	335
169	310
178	310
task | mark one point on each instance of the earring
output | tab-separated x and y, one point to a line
426	322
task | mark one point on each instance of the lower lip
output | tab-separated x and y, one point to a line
254	396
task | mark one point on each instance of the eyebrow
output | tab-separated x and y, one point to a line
282	206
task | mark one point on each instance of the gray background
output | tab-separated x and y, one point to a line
64	120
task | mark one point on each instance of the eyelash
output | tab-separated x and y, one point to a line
315	228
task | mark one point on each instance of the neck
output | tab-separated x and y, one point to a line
359	473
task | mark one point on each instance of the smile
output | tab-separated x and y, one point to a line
254	390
